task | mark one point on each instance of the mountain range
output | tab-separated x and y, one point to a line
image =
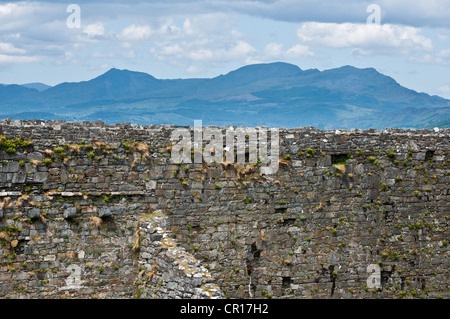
274	95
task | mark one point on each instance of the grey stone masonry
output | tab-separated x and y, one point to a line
89	210
170	271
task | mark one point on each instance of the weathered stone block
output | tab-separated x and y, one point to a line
34	213
105	212
70	212
156	237
150	185
420	156
36	156
11	167
18	178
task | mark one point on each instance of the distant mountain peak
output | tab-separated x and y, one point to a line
270	94
347	67
37	86
114	72
270	69
351	68
257	72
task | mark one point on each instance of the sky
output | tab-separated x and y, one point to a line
77	40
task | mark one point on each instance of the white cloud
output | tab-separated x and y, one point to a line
11	59
367	39
193	69
209	39
169	29
273	50
445	54
211	25
188	27
10	54
276	51
14	36
299	51
27	16
94	30
241	49
203	51
171	50
8	48
6	9
136	33
440	58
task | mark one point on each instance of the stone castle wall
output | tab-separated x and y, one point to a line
99	211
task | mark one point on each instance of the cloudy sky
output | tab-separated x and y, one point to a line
44	41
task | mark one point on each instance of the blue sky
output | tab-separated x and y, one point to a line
188	38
